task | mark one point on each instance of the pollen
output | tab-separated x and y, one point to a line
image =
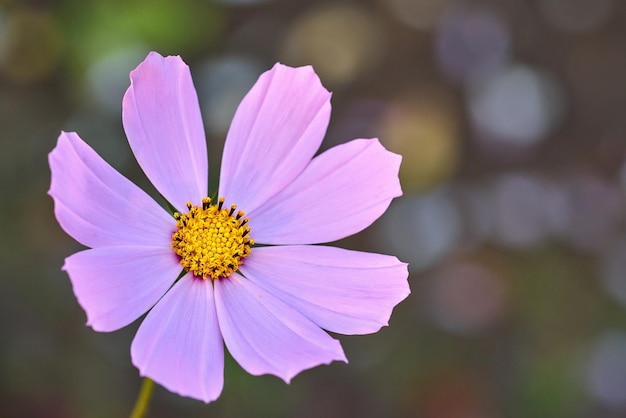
211	240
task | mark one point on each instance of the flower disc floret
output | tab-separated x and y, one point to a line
211	240
274	310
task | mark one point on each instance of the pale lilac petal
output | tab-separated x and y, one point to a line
116	285
276	130
349	292
265	335
179	344
341	192
98	206
163	123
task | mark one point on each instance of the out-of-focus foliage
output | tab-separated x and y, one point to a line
95	29
511	117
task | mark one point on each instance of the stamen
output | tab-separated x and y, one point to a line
210	241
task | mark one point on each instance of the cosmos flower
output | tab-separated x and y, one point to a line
238	269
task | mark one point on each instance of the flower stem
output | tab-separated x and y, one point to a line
143	399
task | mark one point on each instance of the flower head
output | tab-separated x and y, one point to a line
199	272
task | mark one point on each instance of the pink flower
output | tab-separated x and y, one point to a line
269	304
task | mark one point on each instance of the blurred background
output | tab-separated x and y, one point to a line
511	117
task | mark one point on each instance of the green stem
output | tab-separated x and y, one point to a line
143	400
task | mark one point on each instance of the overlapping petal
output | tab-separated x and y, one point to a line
98	206
116	285
273	319
341	192
277	129
265	335
349	292
179	344
163	123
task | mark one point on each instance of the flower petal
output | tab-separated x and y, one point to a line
276	130
179	344
116	285
265	335
340	193
98	206
163	123
349	292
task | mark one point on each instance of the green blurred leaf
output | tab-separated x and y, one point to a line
97	28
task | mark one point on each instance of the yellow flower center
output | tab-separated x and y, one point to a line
211	241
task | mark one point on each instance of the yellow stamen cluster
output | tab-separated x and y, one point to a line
211	241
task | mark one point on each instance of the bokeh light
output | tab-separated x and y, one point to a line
526	210
340	41
596	211
221	85
471	43
107	78
426	133
607	369
422	15
422	231
466	298
517	107
30	44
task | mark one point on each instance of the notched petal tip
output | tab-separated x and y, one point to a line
277	129
287	378
81	180
154	58
345	175
266	336
343	291
116	285
163	124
